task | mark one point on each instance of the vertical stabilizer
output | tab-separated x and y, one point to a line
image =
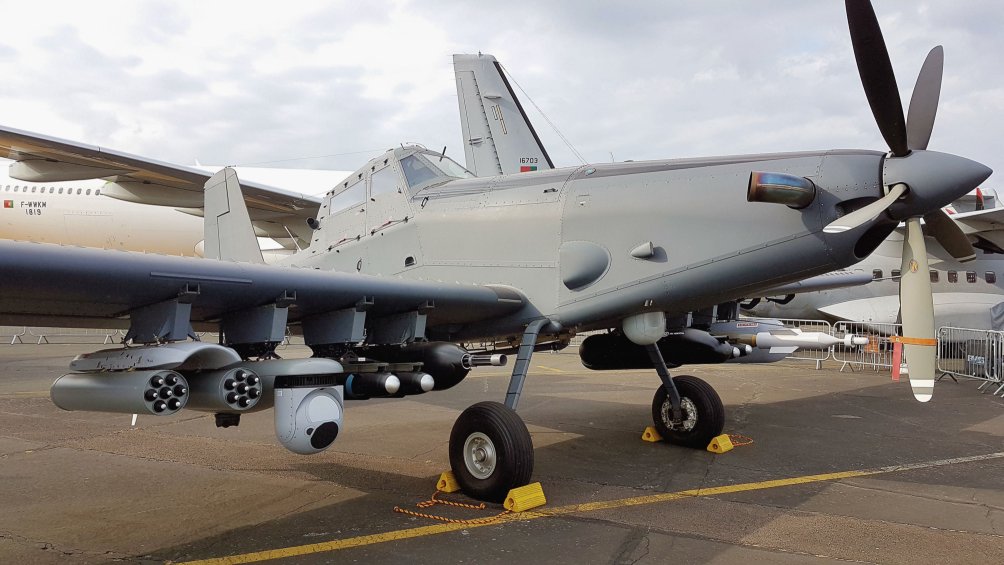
498	137
229	234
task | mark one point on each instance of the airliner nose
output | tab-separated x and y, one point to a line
934	179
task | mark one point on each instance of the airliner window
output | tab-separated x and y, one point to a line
60	190
382	182
934	276
895	273
349	197
991	277
970	276
876	274
953	277
88	192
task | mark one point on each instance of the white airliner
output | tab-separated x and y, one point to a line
81	213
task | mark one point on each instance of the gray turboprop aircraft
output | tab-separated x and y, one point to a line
412	255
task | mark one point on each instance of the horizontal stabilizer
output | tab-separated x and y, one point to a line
229	235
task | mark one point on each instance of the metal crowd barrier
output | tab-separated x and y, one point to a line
75	335
816	355
15	333
973	354
877	353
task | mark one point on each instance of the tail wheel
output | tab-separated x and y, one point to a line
490	451
703	413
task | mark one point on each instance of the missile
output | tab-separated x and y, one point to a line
798	338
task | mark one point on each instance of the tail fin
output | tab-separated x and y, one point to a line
229	234
499	138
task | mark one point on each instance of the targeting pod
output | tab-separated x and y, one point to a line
308	412
236	389
780	188
129	392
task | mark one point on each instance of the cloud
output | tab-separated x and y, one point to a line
259	82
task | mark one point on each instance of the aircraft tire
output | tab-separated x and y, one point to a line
490	451
700	403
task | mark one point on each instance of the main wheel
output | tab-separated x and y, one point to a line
490	451
703	413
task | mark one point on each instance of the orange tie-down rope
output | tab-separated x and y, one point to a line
434	501
740	440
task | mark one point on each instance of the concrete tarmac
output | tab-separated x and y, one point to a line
843	467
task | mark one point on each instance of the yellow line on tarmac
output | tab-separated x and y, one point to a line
397	535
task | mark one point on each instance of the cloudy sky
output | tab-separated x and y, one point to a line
278	82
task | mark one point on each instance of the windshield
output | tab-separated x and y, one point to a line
422	168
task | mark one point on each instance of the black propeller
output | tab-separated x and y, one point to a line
915	179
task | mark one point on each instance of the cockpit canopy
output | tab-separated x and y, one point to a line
403	170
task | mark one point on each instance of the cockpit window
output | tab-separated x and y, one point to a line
349	197
421	168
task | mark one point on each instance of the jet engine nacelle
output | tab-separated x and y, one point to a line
448	363
158	392
604	352
235	389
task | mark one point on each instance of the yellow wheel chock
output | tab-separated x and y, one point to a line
447	483
524	498
720	444
651	434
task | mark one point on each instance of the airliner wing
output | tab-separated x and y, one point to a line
39	158
108	286
986	225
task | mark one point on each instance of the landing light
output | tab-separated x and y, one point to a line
780	188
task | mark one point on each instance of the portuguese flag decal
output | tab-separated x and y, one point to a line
527	168
8	203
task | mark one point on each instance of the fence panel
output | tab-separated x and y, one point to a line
15	333
821	326
974	354
876	354
75	335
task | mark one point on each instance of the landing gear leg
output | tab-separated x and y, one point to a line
491	451
686	410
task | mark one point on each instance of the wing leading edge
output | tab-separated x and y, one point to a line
47	284
41	158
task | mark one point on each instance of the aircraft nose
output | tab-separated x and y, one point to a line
934	179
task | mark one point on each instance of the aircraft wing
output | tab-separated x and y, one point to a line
987	225
826	281
40	158
46	284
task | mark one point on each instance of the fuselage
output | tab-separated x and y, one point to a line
591	244
76	213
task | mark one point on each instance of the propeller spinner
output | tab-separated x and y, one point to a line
918	182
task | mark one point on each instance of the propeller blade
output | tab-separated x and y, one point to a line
950	236
877	75
917	309
924	102
866	214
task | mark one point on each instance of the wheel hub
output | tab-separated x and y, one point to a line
479	455
689	415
